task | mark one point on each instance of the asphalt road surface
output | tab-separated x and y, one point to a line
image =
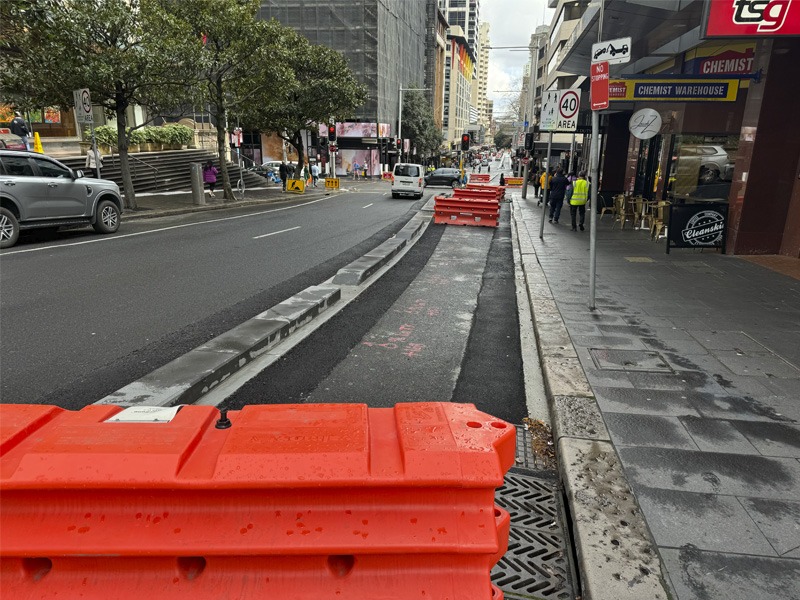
82	315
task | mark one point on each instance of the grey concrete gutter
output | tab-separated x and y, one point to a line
616	555
192	375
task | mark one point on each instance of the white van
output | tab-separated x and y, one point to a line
408	179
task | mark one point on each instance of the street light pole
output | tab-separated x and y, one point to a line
400	116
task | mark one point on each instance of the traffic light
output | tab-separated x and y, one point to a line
399	143
392	144
465	141
331	133
529	141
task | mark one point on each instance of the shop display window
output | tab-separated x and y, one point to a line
702	166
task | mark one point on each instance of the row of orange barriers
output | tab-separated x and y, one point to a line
306	502
475	204
480	177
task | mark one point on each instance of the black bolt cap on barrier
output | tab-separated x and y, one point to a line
224	422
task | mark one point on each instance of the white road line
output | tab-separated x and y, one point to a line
258	237
368	205
127	235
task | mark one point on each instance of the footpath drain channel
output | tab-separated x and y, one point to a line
538	564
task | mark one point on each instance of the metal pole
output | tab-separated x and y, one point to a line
546	185
571	165
593	206
525	176
94	148
400	126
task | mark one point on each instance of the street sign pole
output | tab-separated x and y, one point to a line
595	163
546	185
525	175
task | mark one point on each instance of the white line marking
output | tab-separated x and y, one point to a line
368	205
258	237
127	235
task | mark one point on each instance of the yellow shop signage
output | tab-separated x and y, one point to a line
673	90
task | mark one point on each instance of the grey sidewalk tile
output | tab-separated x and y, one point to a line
713	472
707	521
647	430
727	340
652	402
608	342
648	321
678	346
583	329
695	362
769	408
779	520
757	363
699	575
742	385
604	378
687	381
591	318
772	439
717	435
784	387
667	334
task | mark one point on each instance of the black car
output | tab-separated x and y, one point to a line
444	176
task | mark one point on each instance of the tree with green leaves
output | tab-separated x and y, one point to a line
418	124
126	52
323	90
243	60
502	139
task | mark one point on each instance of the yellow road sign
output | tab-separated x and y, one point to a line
332	183
298	186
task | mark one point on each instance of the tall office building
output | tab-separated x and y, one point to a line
484	116
459	72
466	15
382	40
435	55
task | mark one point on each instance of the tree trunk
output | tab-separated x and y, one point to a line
220	114
122	148
297	142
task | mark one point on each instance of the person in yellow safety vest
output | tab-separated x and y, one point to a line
580	194
544	182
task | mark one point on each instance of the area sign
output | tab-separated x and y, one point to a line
568	107
613	51
751	18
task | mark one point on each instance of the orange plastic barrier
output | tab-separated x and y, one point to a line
480	177
499	190
305	502
483	212
482	192
514	181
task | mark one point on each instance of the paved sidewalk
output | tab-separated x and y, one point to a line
180	202
694	362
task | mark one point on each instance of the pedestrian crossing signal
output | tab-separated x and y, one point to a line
331	133
465	139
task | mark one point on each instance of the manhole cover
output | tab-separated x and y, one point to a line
629	360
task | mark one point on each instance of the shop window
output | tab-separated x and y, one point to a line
701	166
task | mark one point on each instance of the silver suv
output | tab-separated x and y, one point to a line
37	191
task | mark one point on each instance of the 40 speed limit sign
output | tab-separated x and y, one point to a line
560	110
568	107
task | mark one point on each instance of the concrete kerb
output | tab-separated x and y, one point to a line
616	555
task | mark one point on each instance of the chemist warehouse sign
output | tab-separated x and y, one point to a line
673	90
751	18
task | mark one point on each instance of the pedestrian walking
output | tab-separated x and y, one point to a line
558	189
210	177
314	174
283	173
356	169
19	127
544	183
502	179
94	162
536	183
577	204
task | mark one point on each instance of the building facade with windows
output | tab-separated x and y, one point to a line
435	55
459	72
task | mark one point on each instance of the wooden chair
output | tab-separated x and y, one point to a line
611	207
660	220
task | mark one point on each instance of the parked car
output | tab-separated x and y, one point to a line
408	180
444	176
37	191
715	162
276	164
10	141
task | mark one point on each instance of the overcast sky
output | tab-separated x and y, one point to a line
511	23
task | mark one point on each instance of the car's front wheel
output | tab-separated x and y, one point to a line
9	228
106	217
708	175
454	183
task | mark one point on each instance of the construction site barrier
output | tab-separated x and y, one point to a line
473	190
480	178
514	181
312	501
449	210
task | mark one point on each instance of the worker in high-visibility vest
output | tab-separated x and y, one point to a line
580	195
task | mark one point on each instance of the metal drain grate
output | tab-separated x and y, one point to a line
538	563
629	360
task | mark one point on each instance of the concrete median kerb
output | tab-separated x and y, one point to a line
616	555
